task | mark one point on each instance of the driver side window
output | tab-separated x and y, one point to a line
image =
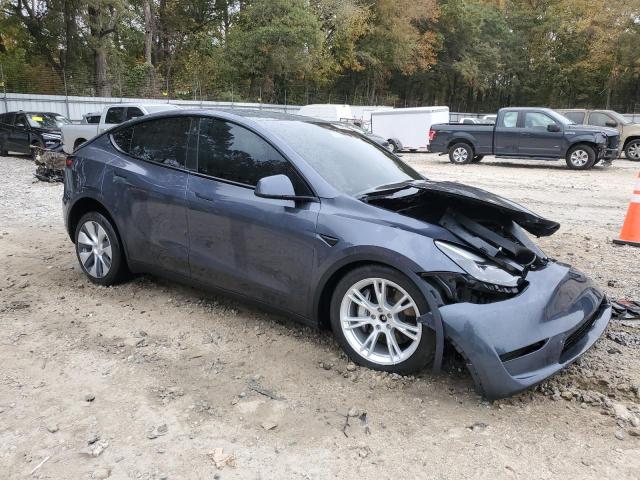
537	120
230	152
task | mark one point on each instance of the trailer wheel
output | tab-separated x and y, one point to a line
461	153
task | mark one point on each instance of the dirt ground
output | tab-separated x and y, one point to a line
153	380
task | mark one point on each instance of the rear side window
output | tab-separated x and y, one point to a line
231	152
577	117
115	115
133	112
161	141
509	120
93	118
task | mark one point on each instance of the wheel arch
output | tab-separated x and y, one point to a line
329	280
629	140
91	204
465	140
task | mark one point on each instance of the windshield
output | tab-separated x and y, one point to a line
341	156
47	120
619	118
559	117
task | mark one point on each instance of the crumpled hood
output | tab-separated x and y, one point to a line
428	198
531	222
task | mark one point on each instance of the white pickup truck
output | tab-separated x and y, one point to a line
74	135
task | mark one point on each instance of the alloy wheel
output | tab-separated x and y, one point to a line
379	320
633	151
94	249
579	158
460	155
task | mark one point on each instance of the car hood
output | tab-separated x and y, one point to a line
427	196
47	130
593	128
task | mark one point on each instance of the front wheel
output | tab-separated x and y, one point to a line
374	317
98	249
581	157
632	150
461	153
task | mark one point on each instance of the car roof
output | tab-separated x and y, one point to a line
250	114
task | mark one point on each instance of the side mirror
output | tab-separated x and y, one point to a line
553	127
278	187
611	123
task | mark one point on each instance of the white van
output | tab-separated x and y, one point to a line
409	125
327	111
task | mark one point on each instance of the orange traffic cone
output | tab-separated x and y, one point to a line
630	233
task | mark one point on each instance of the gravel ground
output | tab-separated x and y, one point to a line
155	380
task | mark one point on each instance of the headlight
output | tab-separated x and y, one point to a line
51	136
478	267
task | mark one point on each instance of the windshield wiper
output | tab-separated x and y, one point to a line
385	190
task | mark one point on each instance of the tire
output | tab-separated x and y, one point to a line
632	150
461	154
394	148
85	242
580	157
412	354
477	158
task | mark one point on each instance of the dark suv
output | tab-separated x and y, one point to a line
323	224
19	131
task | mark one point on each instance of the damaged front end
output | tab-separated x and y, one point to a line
515	315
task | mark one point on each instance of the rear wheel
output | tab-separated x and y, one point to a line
632	150
394	147
374	317
461	153
99	250
581	157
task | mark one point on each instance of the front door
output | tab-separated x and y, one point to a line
536	140
258	247
18	139
147	186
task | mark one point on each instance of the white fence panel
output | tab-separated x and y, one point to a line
75	107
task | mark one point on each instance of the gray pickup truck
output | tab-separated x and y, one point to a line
538	133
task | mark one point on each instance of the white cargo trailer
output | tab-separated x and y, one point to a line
409	125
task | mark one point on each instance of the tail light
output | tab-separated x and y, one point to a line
69	161
432	135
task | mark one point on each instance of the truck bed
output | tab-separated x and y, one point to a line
479	135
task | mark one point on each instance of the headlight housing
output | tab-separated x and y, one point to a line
478	267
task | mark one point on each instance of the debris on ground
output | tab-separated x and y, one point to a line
49	165
626	309
221	459
256	387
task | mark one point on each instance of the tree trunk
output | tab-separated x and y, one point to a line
148	31
103	87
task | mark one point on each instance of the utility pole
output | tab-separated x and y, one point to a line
66	93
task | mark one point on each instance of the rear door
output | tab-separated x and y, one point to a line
506	138
146	184
536	140
258	247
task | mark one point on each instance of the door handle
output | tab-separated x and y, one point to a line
204	197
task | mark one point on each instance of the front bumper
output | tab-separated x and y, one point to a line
609	153
517	343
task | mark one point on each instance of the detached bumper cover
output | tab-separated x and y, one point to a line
517	343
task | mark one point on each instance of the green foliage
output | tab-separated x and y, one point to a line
473	55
